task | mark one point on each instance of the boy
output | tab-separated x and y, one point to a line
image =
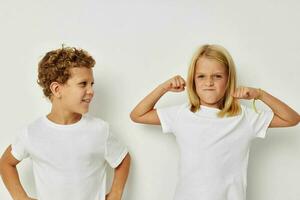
69	150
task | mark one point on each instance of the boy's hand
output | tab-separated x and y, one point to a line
175	84
112	196
29	198
246	93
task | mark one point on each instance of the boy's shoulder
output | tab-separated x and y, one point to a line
91	120
86	119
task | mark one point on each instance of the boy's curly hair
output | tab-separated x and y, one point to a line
55	66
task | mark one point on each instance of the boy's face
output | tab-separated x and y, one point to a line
77	92
210	80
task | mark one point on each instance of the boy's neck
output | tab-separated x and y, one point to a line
64	118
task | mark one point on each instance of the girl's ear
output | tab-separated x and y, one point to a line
55	88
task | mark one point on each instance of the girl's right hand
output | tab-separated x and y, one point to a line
175	84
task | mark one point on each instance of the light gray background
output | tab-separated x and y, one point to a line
138	45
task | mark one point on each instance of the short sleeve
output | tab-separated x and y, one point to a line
19	150
115	151
167	117
259	121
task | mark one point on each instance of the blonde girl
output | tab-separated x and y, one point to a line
213	130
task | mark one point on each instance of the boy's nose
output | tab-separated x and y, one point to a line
90	91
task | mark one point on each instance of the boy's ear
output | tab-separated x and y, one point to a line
55	88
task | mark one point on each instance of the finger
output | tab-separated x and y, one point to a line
182	81
247	93
177	82
173	82
236	93
233	93
240	93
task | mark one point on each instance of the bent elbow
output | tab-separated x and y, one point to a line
133	117
1	167
295	123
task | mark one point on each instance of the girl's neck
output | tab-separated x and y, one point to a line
218	105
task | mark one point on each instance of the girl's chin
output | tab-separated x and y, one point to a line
211	103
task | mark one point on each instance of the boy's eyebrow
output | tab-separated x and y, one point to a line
85	80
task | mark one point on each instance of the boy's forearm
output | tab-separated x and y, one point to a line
12	182
149	101
279	108
120	178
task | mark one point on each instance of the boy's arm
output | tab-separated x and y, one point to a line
120	177
284	116
10	176
144	112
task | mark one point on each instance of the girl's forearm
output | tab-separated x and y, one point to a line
148	102
279	108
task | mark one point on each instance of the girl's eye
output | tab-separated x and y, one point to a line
218	76
201	76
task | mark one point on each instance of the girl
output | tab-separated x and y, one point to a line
213	130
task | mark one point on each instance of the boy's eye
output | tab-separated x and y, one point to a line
82	84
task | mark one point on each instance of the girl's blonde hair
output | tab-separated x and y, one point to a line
230	106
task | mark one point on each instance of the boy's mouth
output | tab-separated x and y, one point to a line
87	100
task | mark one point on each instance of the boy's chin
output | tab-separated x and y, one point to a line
82	112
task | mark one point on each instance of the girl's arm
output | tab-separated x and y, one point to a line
144	112
120	177
284	116
10	176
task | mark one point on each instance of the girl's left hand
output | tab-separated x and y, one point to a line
246	93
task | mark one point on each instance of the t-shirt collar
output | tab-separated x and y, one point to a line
207	111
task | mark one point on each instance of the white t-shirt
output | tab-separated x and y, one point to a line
214	151
69	161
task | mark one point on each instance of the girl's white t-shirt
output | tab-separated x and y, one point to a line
69	161
213	151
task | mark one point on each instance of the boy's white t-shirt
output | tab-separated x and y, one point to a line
214	151
69	161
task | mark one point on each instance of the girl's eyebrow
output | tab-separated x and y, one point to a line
212	73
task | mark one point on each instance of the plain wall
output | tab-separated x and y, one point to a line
140	44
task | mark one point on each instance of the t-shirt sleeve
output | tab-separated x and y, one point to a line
18	147
259	121
115	151
167	117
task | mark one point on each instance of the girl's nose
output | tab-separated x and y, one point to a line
209	82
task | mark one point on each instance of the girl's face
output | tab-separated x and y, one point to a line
210	81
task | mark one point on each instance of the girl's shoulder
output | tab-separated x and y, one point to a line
251	112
